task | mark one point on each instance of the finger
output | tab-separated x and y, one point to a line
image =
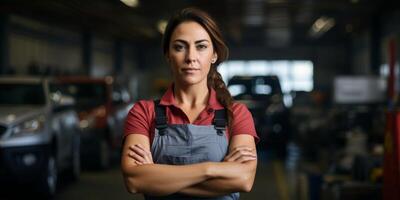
237	157
138	163
247	149
227	156
143	149
243	148
238	154
244	159
138	150
136	156
145	154
233	151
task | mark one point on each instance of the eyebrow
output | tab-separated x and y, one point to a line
196	42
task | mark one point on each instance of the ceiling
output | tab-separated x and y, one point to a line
273	23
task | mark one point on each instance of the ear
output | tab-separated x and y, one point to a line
214	58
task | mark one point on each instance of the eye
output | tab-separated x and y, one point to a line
201	46
178	47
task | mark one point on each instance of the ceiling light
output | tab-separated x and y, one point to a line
161	25
321	25
131	3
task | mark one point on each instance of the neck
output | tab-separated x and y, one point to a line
192	95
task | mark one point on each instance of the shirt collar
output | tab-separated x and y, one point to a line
168	98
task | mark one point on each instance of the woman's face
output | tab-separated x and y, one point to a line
190	53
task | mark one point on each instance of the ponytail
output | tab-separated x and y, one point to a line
224	97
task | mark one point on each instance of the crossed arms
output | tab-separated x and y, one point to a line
235	174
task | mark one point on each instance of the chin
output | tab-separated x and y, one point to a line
190	81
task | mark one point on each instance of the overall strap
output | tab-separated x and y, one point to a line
220	121
161	117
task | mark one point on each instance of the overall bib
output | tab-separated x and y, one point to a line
184	144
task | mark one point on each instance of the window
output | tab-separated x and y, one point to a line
294	75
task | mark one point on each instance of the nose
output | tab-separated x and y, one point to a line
191	55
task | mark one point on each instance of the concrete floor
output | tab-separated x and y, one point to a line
109	185
270	183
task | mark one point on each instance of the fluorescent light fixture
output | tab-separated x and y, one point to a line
321	25
131	3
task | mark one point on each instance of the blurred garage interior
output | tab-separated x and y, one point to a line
320	77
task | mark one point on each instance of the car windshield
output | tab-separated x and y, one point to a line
22	94
87	95
243	87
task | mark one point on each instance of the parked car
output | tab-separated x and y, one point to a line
264	98
39	135
102	108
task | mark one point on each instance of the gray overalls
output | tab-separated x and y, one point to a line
184	144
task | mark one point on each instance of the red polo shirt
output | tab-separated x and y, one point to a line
141	117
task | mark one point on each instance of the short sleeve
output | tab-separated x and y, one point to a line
243	121
139	118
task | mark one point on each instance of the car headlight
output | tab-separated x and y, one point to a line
88	122
31	126
92	119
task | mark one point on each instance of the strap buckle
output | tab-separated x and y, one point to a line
220	121
161	118
220	126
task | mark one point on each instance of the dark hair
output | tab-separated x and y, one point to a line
214	79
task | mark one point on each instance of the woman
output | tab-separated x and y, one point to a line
194	141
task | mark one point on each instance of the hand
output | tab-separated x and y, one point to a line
140	154
241	154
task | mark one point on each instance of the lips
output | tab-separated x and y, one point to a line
190	70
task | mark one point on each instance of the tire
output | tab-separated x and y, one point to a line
103	154
48	181
75	168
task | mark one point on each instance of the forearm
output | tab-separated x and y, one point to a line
160	180
211	188
203	189
230	177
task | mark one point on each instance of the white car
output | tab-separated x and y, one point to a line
39	135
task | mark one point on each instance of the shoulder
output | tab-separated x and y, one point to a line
144	105
145	108
243	122
140	118
239	108
241	114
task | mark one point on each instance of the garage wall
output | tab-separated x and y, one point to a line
152	69
390	30
102	57
390	23
48	48
361	49
362	44
329	62
37	46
